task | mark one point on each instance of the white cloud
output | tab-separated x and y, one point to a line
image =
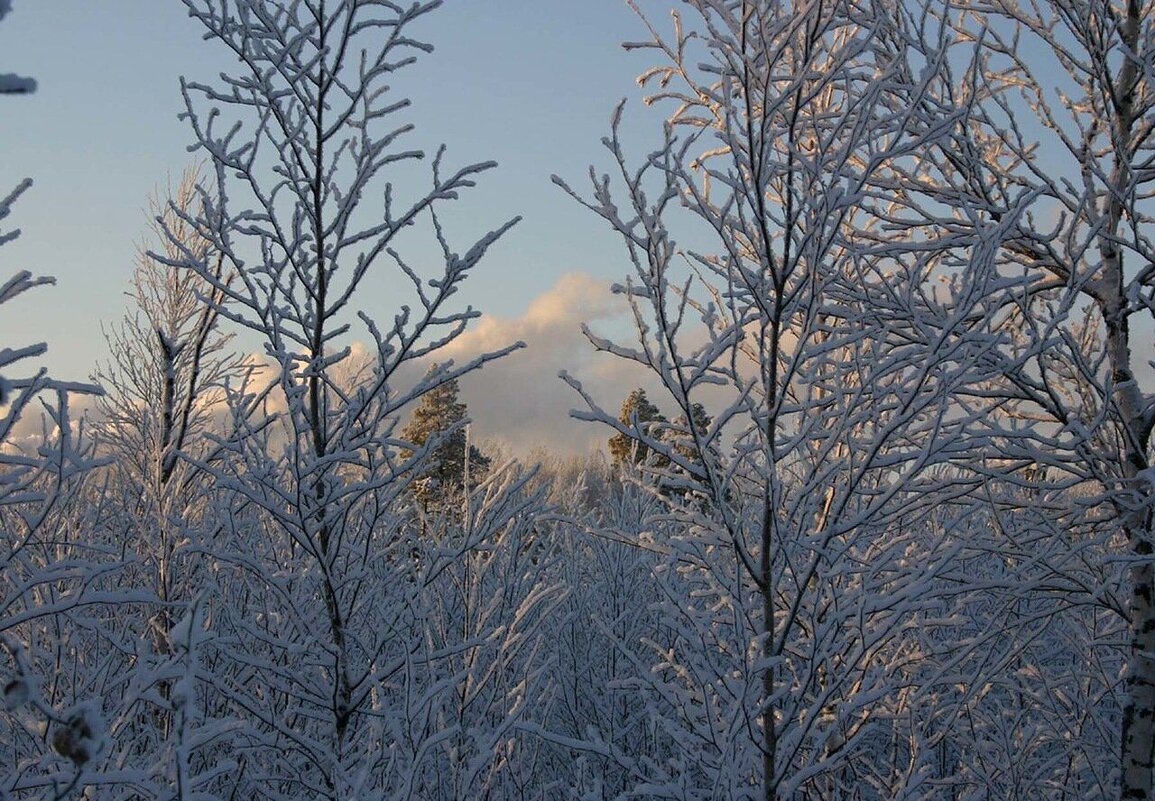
519	400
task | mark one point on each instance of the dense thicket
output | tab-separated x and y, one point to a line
880	529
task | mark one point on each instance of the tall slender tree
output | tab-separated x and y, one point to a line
322	580
1058	158
839	358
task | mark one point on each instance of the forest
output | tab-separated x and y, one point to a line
885	533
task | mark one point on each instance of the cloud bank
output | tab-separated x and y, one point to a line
519	400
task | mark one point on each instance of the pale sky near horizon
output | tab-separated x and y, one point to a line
529	83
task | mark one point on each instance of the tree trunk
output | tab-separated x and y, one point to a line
1139	712
769	733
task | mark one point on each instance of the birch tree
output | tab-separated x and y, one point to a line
322	575
164	392
1059	155
834	357
50	574
594	727
169	364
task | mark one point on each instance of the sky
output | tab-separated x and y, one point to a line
528	83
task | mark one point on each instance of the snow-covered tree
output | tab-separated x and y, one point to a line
593	725
164	391
163	383
1058	158
320	603
168	358
840	359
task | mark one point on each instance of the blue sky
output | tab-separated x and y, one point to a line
530	83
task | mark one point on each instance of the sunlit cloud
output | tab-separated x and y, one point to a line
519	400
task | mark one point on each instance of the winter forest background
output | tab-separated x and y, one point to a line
875	523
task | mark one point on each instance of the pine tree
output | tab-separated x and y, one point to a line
443	416
644	417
